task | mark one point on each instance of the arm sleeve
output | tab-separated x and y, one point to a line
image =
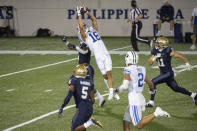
67	98
81	50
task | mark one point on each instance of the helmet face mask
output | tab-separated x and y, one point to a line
131	58
161	43
80	71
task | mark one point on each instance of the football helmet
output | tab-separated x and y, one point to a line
80	71
162	42
131	58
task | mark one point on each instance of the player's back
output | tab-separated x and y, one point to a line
95	43
83	89
136	84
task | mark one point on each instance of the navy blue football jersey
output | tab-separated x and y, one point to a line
163	58
83	89
84	58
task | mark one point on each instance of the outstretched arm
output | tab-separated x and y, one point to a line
80	22
182	57
94	21
179	55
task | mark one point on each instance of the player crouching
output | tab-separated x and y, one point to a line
83	91
134	77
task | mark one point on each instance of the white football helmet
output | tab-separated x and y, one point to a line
131	58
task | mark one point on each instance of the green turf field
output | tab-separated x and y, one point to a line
40	91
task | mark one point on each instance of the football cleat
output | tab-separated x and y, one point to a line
116	96
110	97
96	123
193	47
101	102
150	104
195	99
160	112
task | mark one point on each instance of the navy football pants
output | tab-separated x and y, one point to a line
83	114
168	78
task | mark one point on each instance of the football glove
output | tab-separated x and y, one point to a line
188	66
64	39
78	11
60	112
70	46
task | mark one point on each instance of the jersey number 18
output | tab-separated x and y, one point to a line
94	36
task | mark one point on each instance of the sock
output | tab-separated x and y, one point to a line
88	123
106	83
111	90
152	97
193	95
98	95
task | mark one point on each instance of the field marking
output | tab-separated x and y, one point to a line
10	90
42	116
40	67
45	52
48	90
120	48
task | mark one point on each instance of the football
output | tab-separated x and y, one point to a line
84	10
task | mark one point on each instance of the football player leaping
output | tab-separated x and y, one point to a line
83	91
162	53
84	58
134	77
91	37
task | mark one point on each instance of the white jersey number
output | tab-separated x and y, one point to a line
94	35
84	92
160	62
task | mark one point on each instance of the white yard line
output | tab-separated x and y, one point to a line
40	67
120	48
10	90
38	52
41	117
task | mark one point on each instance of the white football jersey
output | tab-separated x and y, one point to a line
95	44
136	84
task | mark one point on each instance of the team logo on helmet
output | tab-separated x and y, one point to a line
131	58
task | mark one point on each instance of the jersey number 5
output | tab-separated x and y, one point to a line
84	92
94	36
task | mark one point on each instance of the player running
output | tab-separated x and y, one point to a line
84	58
90	36
134	77
83	91
162	53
